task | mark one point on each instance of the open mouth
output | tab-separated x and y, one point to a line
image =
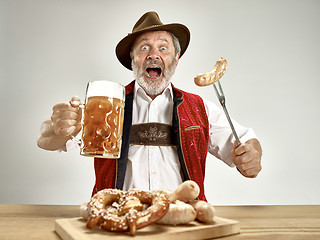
153	72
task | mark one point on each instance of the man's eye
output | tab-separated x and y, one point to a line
144	48
163	48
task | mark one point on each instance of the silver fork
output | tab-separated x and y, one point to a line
222	101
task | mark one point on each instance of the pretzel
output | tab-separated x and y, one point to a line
118	211
205	79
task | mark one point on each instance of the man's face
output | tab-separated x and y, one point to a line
154	61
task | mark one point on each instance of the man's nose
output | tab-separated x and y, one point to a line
153	54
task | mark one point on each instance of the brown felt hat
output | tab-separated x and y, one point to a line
150	21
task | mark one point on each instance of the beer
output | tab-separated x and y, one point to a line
102	126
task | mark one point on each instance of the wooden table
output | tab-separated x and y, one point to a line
256	222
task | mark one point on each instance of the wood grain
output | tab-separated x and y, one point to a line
75	229
23	221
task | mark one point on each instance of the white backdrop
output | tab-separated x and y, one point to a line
51	48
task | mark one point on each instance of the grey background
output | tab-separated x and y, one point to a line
49	50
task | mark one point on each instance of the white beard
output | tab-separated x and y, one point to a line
155	87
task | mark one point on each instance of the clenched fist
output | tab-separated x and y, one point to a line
66	117
65	122
247	157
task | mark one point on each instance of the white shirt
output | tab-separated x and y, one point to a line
152	167
158	167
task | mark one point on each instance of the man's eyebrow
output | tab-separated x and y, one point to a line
143	39
147	39
164	39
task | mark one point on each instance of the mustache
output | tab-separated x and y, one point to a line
153	62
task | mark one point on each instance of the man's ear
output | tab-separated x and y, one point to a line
131	56
177	58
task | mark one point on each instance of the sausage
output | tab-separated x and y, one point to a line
84	213
205	211
186	191
179	213
205	79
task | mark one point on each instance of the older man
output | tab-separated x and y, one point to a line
195	126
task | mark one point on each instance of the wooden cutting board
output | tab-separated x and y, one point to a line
75	229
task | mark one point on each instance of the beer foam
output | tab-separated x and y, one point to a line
105	88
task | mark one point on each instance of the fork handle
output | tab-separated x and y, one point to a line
230	123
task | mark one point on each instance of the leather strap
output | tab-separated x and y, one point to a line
152	134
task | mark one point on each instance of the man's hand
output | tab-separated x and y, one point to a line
247	157
65	121
66	118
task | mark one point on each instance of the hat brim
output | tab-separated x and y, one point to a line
124	46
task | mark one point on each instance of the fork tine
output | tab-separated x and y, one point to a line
220	94
215	88
221	91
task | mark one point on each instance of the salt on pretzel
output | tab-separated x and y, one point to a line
208	78
118	211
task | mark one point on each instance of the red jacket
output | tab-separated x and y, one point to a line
191	135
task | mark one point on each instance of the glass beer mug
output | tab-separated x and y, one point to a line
102	121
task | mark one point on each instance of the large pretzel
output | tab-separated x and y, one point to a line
214	75
117	211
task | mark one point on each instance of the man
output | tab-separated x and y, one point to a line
195	126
